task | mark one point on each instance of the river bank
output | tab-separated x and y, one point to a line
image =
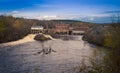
107	36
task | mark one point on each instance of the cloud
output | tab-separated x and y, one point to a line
47	17
39	16
15	12
91	18
117	11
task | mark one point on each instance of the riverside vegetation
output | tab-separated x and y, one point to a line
12	29
107	36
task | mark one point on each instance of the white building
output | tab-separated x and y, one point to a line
76	32
37	29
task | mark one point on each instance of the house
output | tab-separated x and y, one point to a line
37	29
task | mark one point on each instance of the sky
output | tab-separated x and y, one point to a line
99	11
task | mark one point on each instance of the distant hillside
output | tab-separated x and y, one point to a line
71	21
65	20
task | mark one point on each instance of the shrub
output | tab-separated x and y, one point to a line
41	37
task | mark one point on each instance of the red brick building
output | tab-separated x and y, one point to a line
62	28
66	28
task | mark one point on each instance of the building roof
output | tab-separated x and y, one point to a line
37	27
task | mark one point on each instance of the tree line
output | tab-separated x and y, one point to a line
12	28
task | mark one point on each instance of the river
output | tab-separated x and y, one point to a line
19	56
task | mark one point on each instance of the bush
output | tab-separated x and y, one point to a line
41	37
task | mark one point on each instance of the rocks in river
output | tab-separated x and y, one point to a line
48	51
45	51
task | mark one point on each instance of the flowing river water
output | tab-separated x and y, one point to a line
19	56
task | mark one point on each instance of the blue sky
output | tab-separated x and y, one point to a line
85	10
